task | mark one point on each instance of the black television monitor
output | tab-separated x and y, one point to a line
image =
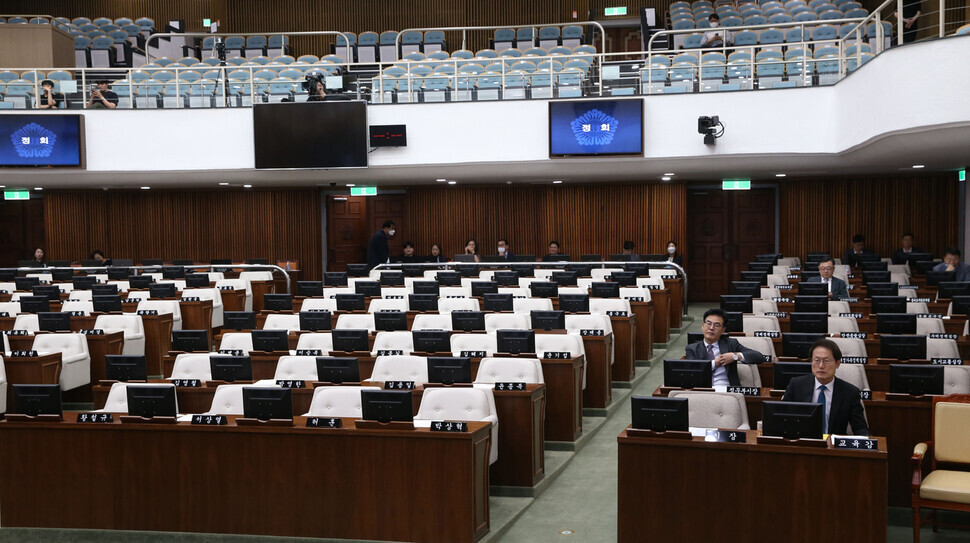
817	256
309	289
230	368
270	340
58	263
84	282
159	262
548	320
961	305
557	258
358	270
736	302
812	304
916	379
64	275
37	304
328	134
371	289
769	257
872	266
125	367
33	400
604	289
448	279
350	340
257	261
335	279
688	373
888	304
564	278
809	276
882	289
792	420
923	267
783	372
642	269
92	264
413	270
875	277
431	341
809	322
8	274
51	292
466	270
659	414
162	290
183	262
54	322
614	257
197	280
760	266
337	370
449	370
423	302
104	290
173	272
755	276
267	403
152	401
118	274
799	345
351	302
499	302
425	287
902	347
618	128
582	270
389	321
653	258
813	288
624	278
190	341
314	321
918	257
506	278
278	302
524	270
392	278
468	321
749	288
108	303
733	321
574	303
694	337
934	278
481	288
386	405
896	323
515	341
239	320
949	289
544	289
142	282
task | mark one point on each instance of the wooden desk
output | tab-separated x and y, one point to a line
382	484
521	445
781	482
158	340
564	398
233	300
624	345
197	316
599	376
31	370
259	289
643	340
661	315
676	289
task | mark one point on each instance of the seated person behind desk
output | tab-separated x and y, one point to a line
409	257
48	99
951	262
553	255
629	248
851	257
503	250
319	94
899	257
724	352
837	290
98	255
840	399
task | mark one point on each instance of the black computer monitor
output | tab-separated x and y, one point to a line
270	340
230	368
162	290
916	379
736	302
653	258
574	303
84	282
257	261
431	341
784	372
582	270
449	370
386	405
335	279
500	302
196	280
351	302
370	289
873	265
412	270
749	288
934	278
316	320
798	344
812	304
506	278
882	289
190	341
624	278
896	323
468	321
808	276
760	266
592	258
92	264
125	367
544	289
481	288
52	292
159	262
173	272
809	322
448	278
524	270
557	258
278	302
618	257
350	340
186	262
755	276
423	302
54	322
923	267
733	321
118	274
949	289
640	268
875	277
392	278
309	289
769	257
426	287
912	258
62	274
337	370
688	373
36	400
694	337
515	341
466	270
389	321
143	282
888	304
8	274
564	278
35	304
358	270
152	401
812	288
961	305
267	403
548	320
108	303
792	420
659	414
239	320
604	289
902	347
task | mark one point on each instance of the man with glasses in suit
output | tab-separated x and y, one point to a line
723	351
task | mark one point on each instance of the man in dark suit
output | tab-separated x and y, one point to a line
377	252
901	254
837	290
840	399
852	255
723	352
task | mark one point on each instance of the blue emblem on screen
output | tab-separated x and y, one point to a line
33	140
594	128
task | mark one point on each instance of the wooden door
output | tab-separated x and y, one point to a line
388	207
347	231
22	231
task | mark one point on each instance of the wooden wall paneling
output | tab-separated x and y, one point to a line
21	230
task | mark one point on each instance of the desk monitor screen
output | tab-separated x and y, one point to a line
62	275
642	269
565	278
617	257
872	266
337	370
8	274
961	305
499	302
84	282
278	302
197	280
515	341
183	262
653	258
309	289
785	371
54	322
448	279
370	289
173	272
413	270
468	321
335	279
590	258
574	303
876	277
190	341
350	302
159	262
919	257
144	282
152	401
806	288
809	322
506	278
423	302
52	292
481	288
36	400
493	258
760	266
903	347
749	288
390	321
949	289
239	320
92	264
882	289
449	370
934	278
544	289
467	270
792	420
755	276
798	345
548	320
350	340
524	270
896	323
316	320
36	304
817	256
125	367
109	303
659	414
557	258
231	368
916	379
923	267
267	403
769	257
603	289
624	278
812	304
162	290
694	337
736	302
888	304
392	278
463	258
386	405
688	373
809	276
270	340
425	287
431	341
358	270
733	321
118	274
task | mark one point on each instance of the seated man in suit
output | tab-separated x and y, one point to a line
852	255
837	290
840	399
723	352
901	254
951	262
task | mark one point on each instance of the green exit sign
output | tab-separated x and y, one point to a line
16	195
963	175
736	184
363	191
615	11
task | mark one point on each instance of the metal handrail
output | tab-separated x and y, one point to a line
142	267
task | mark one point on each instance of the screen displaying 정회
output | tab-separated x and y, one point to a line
595	127
40	140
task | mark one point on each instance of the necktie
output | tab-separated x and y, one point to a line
710	352
821	401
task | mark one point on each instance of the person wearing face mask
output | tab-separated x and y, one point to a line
672	255
716	37
377	252
503	250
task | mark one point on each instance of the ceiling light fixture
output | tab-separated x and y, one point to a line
145	188
918	166
665	178
452	182
247	186
781	174
557	182
223	184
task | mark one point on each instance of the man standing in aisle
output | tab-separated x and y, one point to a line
377	252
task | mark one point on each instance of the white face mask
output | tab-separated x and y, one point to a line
501	250
714	24
391	232
671	250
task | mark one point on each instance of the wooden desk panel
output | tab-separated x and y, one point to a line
259	289
661	315
624	345
31	370
197	316
676	288
599	377
233	300
564	398
644	335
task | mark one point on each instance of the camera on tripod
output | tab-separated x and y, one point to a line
220	48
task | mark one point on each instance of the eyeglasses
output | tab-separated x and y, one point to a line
823	361
714	325
826	268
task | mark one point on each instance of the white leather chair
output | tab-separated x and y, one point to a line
395	292
647	281
837	325
516	292
777	280
44	277
356	321
790	261
342	401
10	308
282	321
117	401
431	321
543	274
393	341
123	286
838	306
8	286
778	269
941	348
332	292
27	321
577	323
300	368
453	292
473	342
572	290
137	295
328	304
3	387
509	370
748	374
131	325
447	305
507	321
233	341
527	305
850	346
767	293
256	275
899	278
600	274
760	307
600	306
75	357
524	282
228	399
192	366
635	292
218	310
316	340
561	343
763	345
215	276
854	374
929	326
401	368
956	380
179	284
715	409
916	307
385	304
754	323
239	284
461	404
5	345
164	307
75	305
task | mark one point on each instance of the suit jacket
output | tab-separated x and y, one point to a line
839	291
850	258
899	257
698	351
846	404
962	270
